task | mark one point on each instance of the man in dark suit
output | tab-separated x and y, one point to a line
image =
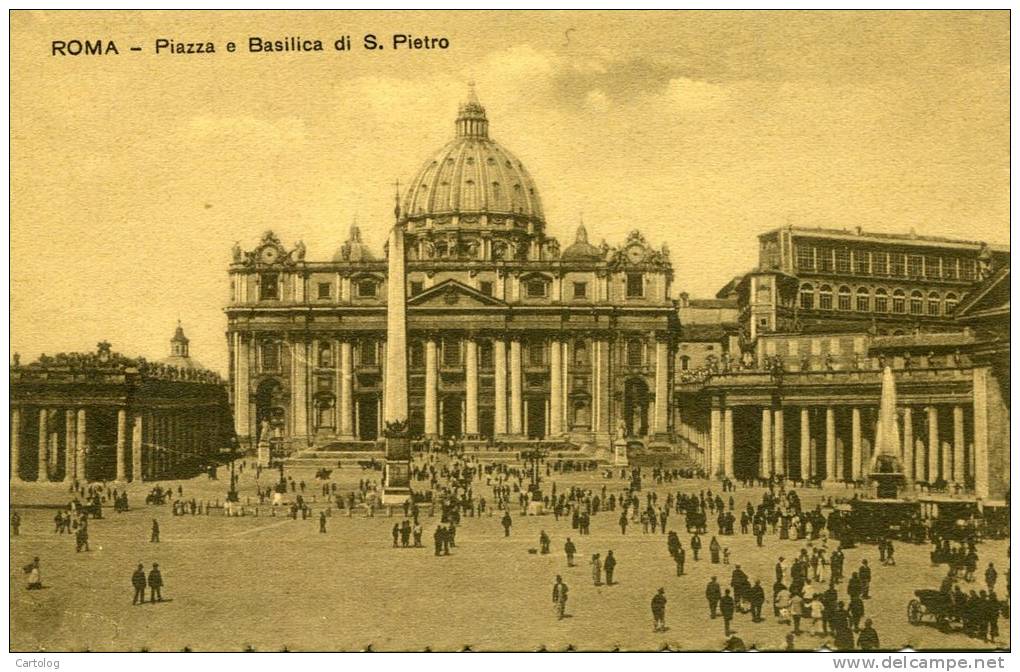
138	581
727	607
155	584
659	610
713	594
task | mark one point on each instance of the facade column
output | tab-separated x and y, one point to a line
555	425
778	442
715	438
728	441
830	444
661	427
959	474
471	387
241	401
81	446
121	445
346	390
499	384
855	443
431	389
908	443
44	415
766	442
70	437
805	443
982	477
15	444
136	448
299	357
515	387
933	444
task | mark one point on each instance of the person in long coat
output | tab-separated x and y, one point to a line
659	610
155	584
609	566
714	548
138	582
596	570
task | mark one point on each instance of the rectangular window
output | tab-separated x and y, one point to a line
825	259
843	301
485	358
842	260
536	354
862	303
915	266
485	287
967	270
416	287
451	352
325	290
580	290
881	303
805	258
897	264
635	285
862	262
949	268
932	268
880	263
269	286
270	356
536	288
367	352
635	354
366	288
899	304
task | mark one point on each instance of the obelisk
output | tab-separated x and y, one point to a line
887	466
397	474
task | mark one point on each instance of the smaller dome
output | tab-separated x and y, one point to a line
581	248
354	249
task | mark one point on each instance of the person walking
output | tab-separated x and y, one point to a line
757	600
609	566
15	523
868	639
34	572
138	582
727	607
796	611
695	545
154	538
856	611
659	610
623	522
559	597
322	522
680	557
991	576
713	594
155	584
864	574
507	523
569	548
543	543
714	549
596	570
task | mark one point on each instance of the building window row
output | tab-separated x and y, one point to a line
843	259
863	300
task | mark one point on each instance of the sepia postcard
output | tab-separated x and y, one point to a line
509	331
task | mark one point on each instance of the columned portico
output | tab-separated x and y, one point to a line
856	446
499	387
555	388
15	444
959	449
121	445
81	445
805	443
516	388
346	391
830	444
727	443
908	443
778	442
933	444
137	433
431	389
44	416
766	442
471	387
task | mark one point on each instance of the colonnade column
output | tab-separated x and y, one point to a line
121	445
44	415
555	388
661	387
959	473
728	441
982	477
830	444
471	387
241	401
933	444
299	357
136	448
81	446
15	444
346	389
499	385
515	387
805	443
908	443
431	389
855	444
715	438
778	442
766	442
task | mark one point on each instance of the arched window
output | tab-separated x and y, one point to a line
825	297
843	299
863	300
916	302
325	356
951	302
934	303
807	297
899	301
685	363
635	354
881	301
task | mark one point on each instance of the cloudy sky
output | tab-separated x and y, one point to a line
133	175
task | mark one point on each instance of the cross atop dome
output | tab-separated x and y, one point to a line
471	119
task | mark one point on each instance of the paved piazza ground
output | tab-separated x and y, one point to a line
274	583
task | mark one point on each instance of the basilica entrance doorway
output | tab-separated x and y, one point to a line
635	407
534	413
270	408
368	417
452	417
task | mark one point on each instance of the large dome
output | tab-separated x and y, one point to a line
472	175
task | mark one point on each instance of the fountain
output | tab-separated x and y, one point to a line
886	467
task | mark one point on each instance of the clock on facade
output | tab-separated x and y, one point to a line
635	254
269	254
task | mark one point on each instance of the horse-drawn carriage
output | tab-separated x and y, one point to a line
933	605
871	520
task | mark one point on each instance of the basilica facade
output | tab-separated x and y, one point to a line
511	336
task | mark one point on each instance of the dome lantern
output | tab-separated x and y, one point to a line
471	119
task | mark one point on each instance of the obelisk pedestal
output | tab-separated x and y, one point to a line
397	471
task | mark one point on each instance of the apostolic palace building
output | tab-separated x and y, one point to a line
513	337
